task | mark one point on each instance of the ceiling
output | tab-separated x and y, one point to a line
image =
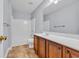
55	7
27	6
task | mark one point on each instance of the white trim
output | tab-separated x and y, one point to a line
19	45
5	56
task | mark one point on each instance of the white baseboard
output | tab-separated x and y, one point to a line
7	52
19	44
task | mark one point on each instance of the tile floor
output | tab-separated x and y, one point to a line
22	52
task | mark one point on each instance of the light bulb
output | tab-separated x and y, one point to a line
56	1
51	1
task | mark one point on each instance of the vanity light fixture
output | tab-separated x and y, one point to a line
49	2
54	1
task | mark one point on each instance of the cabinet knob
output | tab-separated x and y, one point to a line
67	52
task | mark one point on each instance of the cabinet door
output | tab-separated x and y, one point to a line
69	53
74	54
47	48
55	51
36	38
41	48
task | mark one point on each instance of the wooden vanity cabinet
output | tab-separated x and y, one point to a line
54	50
45	48
70	53
39	46
42	47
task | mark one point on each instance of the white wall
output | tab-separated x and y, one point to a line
5	13
46	26
39	22
20	32
1	27
78	16
33	26
1	17
38	15
21	15
68	16
7	24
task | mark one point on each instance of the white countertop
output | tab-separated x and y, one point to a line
71	41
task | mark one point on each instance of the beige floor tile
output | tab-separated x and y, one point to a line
22	52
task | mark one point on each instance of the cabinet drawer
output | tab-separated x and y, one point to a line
54	50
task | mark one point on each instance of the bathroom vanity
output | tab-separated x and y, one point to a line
56	46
